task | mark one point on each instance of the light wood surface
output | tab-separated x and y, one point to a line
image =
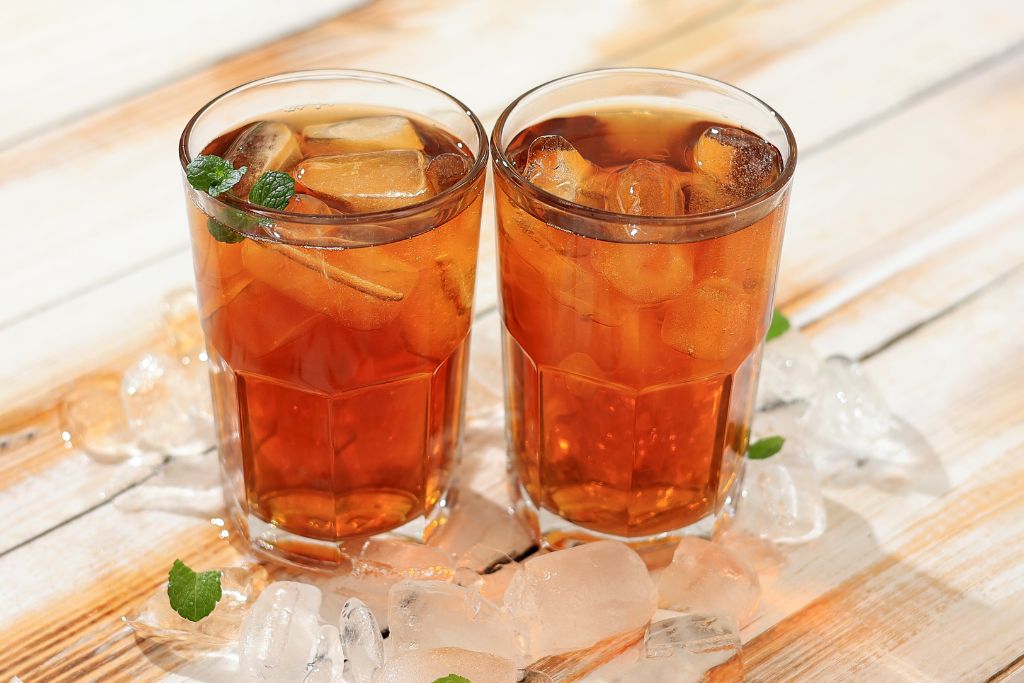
904	248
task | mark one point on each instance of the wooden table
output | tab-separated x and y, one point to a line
904	248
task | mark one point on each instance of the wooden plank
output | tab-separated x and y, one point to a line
86	55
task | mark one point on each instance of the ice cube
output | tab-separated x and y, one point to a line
694	647
328	658
708	578
738	160
428	666
93	419
424	615
436	319
378	564
263	146
361	288
848	410
181	319
363	134
712	322
646	188
367	181
570	599
554	165
165	407
280	634
646	273
310	205
445	170
188	486
480	533
790	371
704	194
240	587
362	641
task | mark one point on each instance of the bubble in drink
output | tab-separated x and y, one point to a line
570	599
280	633
708	578
426	667
362	642
445	170
160	401
553	164
711	322
362	134
424	615
328	659
240	587
736	159
367	181
263	146
647	188
93	419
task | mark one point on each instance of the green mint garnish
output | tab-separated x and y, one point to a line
452	678
765	448
192	595
273	189
223	233
780	324
213	175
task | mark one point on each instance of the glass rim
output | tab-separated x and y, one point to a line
476	169
508	169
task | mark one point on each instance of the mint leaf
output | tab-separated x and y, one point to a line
223	233
192	595
765	448
780	324
452	678
213	175
273	189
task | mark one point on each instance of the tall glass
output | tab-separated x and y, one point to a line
338	343
632	343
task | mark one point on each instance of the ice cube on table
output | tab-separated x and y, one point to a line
240	586
378	564
570	599
166	407
428	666
480	533
263	146
446	169
93	419
362	642
554	165
328	659
367	181
181	319
711	322
738	160
280	634
848	410
424	615
187	486
646	188
790	371
708	578
694	647
362	134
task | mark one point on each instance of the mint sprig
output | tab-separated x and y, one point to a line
193	595
452	678
273	190
211	174
778	327
765	448
223	233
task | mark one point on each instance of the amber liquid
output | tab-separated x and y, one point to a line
339	411
630	367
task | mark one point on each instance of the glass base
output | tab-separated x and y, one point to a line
274	543
555	533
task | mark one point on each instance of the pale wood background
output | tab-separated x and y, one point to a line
904	248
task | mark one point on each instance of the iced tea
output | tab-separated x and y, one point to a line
636	291
338	328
